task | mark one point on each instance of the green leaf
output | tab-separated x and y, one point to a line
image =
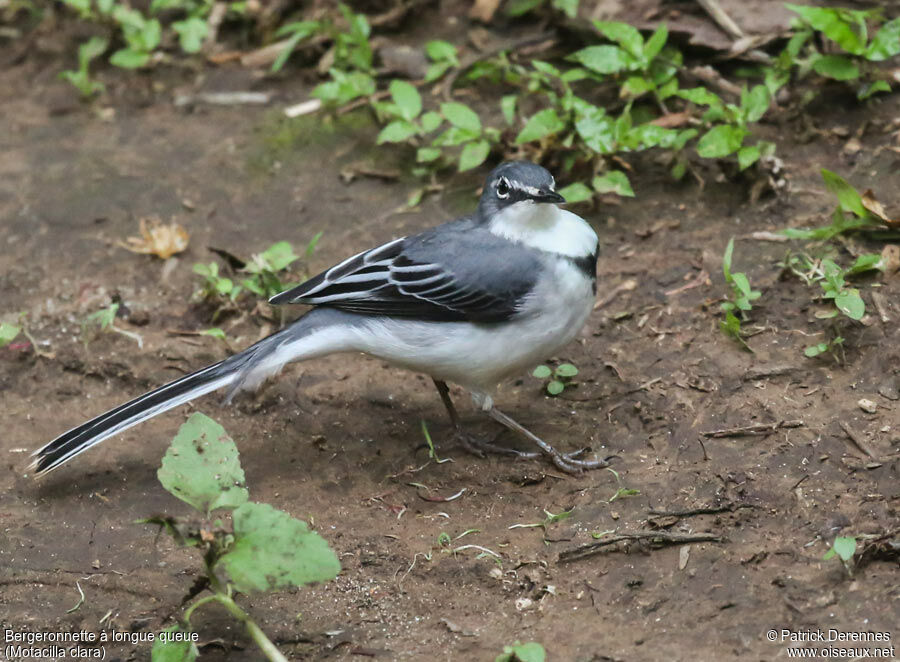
627	36
747	156
438	50
508	108
278	256
223	285
595	128
726	260
700	96
407	98
530	652
430	121
127	58
540	125
215	332
568	7
473	154
165	650
754	103
845	547
576	192
837	67
555	387
92	48
460	115
721	140
542	372
272	550
614	181
8	333
397	131
635	86
521	7
455	136
191	33
850	303
427	154
886	42
847	196
866	262
837	25
873	88
436	70
814	350
604	59
201	466
566	370
656	42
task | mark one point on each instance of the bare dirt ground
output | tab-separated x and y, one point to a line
338	441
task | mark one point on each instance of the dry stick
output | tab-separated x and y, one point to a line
706	510
655	537
855	437
722	19
753	430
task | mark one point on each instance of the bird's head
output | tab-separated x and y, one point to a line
517	182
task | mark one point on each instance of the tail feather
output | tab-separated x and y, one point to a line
79	439
315	334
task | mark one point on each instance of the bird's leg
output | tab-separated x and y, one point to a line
471	444
565	461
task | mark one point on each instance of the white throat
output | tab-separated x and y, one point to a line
545	227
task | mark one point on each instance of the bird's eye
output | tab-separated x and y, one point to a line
503	188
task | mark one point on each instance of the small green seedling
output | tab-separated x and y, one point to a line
105	320
265	268
8	333
550	518
215	286
351	73
849	30
850	215
443	56
741	296
559	378
519	652
831	346
432	454
621	491
81	78
264	549
295	32
843	547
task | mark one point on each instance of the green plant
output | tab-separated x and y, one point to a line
741	296
8	332
265	269
443	56
848	29
621	490
519	652
843	547
213	285
81	78
351	72
560	377
295	32
850	215
264	549
830	346
105	320
550	518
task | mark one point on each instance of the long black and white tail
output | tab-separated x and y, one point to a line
301	340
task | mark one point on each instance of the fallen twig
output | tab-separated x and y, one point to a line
703	510
856	438
753	430
654	537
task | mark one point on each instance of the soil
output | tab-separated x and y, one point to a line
338	441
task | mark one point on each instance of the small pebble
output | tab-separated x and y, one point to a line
867	406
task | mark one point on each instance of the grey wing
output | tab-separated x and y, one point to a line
448	274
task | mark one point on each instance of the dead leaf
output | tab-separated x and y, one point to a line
890	259
484	10
672	120
157	239
877	209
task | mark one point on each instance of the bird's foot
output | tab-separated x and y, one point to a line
479	447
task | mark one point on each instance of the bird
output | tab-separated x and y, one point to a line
472	301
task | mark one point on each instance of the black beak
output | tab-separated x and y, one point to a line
549	195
